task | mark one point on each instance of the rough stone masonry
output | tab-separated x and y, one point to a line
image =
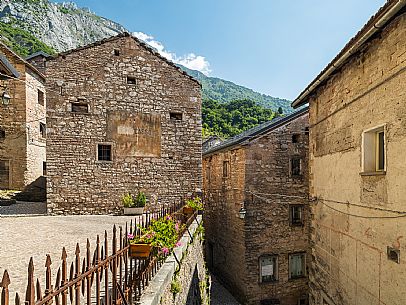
121	118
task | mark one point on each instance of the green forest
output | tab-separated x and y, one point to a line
231	118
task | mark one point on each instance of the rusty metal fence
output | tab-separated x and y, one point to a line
105	276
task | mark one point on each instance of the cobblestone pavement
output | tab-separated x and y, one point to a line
36	236
219	295
24	208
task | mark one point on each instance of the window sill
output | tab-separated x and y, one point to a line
103	162
297	224
376	173
297	277
269	282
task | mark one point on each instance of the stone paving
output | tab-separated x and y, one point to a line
24	208
36	236
219	295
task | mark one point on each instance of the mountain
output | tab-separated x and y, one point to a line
225	91
28	26
61	26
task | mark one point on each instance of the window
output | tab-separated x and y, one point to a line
104	152
295	169
41	98
374	150
131	80
42	130
302	301
226	169
80	107
44	168
177	116
2	134
296	214
116	52
307	130
394	254
268	268
4	174
296	265
295	138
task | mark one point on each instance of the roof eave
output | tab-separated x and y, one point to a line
376	23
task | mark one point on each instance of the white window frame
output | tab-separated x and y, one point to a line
370	148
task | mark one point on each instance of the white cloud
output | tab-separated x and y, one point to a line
191	60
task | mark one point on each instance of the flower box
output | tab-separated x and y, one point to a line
133	211
187	210
140	251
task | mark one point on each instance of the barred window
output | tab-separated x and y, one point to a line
104	152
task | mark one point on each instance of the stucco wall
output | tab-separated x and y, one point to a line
351	228
77	182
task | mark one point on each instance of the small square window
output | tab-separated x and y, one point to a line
80	107
295	138
42	130
296	214
131	80
41	98
295	166
177	116
306	130
116	52
394	254
268	268
374	150
104	152
226	169
297	265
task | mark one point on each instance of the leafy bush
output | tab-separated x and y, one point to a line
138	202
175	286
195	203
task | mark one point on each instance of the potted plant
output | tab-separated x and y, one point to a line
134	206
162	234
192	205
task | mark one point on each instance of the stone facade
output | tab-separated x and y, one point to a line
256	174
120	119
22	150
358	226
190	276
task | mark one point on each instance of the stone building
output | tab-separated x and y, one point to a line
357	167
256	214
22	121
121	118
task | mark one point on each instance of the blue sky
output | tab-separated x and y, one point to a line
275	47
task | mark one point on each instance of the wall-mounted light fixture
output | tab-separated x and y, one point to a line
5	98
242	212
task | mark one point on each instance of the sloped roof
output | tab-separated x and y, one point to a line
256	131
40	53
8	67
26	63
121	35
375	23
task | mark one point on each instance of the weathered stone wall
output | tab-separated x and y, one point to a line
16	149
258	171
267	224
225	234
127	116
36	114
191	275
350	231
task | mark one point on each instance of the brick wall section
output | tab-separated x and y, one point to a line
16	148
79	184
260	167
350	259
